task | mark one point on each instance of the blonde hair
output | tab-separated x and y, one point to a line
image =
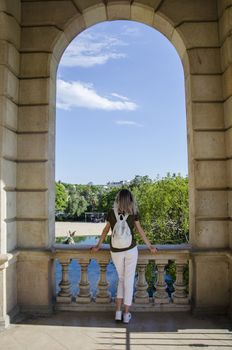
125	202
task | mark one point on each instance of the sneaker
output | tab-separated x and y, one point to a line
126	317
118	316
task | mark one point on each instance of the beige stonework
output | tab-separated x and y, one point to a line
212	234
11	235
32	204
204	60
228	112
211	204
11	7
208	268
211	174
9	173
8	84
199	34
209	144
31	175
56	13
206	88
225	23
142	13
9	29
39	151
33	118
227	86
9	148
34	282
208	116
9	56
95	14
8	113
118	10
33	37
188	11
226	53
32	234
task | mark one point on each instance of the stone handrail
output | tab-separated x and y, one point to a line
180	254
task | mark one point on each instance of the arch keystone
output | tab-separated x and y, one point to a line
142	13
95	14
118	10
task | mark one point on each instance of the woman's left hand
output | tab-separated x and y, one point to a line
153	250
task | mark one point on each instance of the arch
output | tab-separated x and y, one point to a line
146	15
193	30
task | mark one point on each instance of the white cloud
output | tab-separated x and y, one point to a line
131	31
76	94
124	98
88	50
128	122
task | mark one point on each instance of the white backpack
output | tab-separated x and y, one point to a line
121	235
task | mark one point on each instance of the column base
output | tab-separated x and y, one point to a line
182	301
4	322
161	300
84	299
138	300
103	300
60	299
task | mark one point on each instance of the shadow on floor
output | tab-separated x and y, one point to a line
98	331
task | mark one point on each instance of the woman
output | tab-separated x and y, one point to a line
122	220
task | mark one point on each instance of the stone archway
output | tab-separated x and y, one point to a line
202	38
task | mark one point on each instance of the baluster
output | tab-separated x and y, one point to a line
64	295
180	296
84	296
141	295
103	294
160	295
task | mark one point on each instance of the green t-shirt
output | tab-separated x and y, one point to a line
131	223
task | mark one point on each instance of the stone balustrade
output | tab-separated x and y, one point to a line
177	300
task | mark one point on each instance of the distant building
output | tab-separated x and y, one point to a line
117	183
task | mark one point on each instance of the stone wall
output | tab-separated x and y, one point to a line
225	35
201	34
10	18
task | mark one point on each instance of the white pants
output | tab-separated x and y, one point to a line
125	263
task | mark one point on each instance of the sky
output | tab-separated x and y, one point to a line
120	109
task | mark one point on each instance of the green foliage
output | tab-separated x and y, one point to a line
163	208
61	197
163	204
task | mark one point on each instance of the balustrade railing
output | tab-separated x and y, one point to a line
162	297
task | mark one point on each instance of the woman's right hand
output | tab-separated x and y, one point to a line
95	249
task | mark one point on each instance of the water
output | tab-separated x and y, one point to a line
94	271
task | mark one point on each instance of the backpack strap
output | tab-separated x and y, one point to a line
118	216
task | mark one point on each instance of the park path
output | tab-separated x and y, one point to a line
81	228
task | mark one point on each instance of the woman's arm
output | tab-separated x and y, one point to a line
102	238
144	237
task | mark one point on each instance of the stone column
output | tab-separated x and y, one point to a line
103	294
160	295
10	28
84	296
141	295
64	296
180	296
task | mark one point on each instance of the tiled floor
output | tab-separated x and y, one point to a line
98	331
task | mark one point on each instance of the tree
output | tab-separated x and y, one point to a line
77	204
163	207
61	197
